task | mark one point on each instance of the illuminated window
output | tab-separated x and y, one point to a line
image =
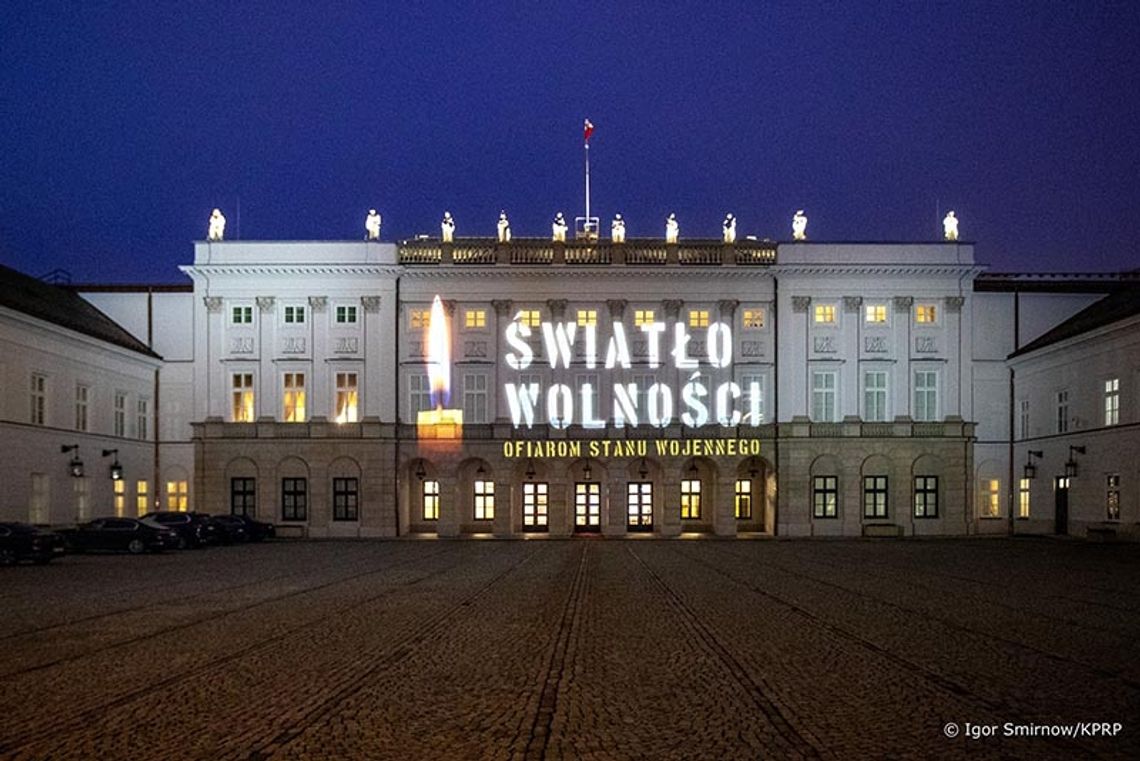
419	394
926	313
532	318
178	496
39	505
1062	411
484	500
698	318
742	498
294	499
420	318
242	315
347	398
1023	498
120	414
142	497
429	500
82	498
1112	496
823	396
926	496
874	496
587	505
639	506
925	395
825	314
294	411
825	496
294	315
1112	401
475	398
475	318
752	390
241	407
587	317
753	319
346	314
990	506
82	395
119	496
142	421
38	399
243	496
643	317
346	499
875	314
875	395
535	503
690	499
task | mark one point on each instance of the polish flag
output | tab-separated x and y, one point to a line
588	129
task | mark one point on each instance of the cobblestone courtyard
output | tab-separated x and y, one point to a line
572	649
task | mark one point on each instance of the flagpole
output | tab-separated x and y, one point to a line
587	185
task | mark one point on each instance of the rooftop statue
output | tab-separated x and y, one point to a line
672	229
504	228
950	226
617	229
729	229
217	230
559	228
799	226
447	228
372	225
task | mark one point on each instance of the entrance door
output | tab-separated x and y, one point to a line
1061	504
587	506
534	506
639	506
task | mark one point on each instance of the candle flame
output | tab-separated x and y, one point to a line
439	355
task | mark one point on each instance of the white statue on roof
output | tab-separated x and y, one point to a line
729	229
217	229
799	226
672	229
558	228
617	229
372	225
504	228
950	226
447	228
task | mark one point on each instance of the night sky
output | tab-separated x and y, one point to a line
125	123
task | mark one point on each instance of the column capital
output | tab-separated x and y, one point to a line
801	303
852	303
318	303
954	304
265	303
557	307
502	307
213	304
903	303
370	303
617	308
673	307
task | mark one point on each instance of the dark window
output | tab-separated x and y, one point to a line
874	496
294	499
926	496
243	496
825	496
345	499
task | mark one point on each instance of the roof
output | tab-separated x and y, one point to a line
65	308
1055	282
1112	308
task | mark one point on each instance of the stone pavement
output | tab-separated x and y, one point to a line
587	648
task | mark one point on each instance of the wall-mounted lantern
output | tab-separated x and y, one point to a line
75	467
116	468
1030	470
1071	468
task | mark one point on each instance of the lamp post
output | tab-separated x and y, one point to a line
116	468
75	466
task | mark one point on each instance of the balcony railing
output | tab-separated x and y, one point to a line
586	253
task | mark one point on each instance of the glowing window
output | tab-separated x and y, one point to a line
120	497
825	496
698	318
753	319
346	314
420	318
926	496
294	315
1023	498
177	495
825	314
587	317
1112	496
429	500
691	499
990	506
742	498
643	317
874	496
1112	401
875	314
484	500
294	411
475	318
535	503
925	313
142	497
639	505
241	407
532	318
347	398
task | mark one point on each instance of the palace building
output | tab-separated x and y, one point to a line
525	387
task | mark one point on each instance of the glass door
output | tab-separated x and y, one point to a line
587	506
639	506
534	506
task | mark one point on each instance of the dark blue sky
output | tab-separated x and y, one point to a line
124	123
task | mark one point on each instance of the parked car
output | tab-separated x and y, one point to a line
193	529
230	529
21	541
255	530
131	534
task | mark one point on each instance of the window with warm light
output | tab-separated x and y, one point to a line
926	496
429	500
825	314
294	499
241	398
825	496
347	398
1112	496
119	497
420	318
587	317
241	315
532	318
643	317
243	496
475	318
698	318
1023	498
639	505
82	396
82	498
142	497
874	496
535	504
178	495
742	499
1112	401
38	399
875	314
484	500
925	313
346	499
346	315
753	319
294	398
990	506
690	499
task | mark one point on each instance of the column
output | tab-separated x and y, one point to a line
793	340
319	383
372	383
848	349
902	350
957	378
724	508
266	400
449	517
207	374
503	316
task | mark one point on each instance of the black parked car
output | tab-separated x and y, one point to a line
193	529
20	541
255	530
230	529
133	535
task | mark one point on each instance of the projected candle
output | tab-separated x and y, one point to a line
439	422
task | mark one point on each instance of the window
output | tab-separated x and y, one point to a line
639	505
1112	496
587	317
1023	419
346	315
990	506
242	315
429	500
535	502
532	318
419	391
142	497
420	318
875	314
177	496
38	399
294	499
475	318
698	318
1023	498
874	496
925	313
243	496
120	414
823	390
875	396
1112	401
742	499
39	512
142	418
241	397
82	394
475	398
925	395
119	497
82	498
752	383
825	314
294	315
1062	411
484	500
580	382
753	319
346	494
691	499
825	496
643	317
926	496
294	411
347	398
